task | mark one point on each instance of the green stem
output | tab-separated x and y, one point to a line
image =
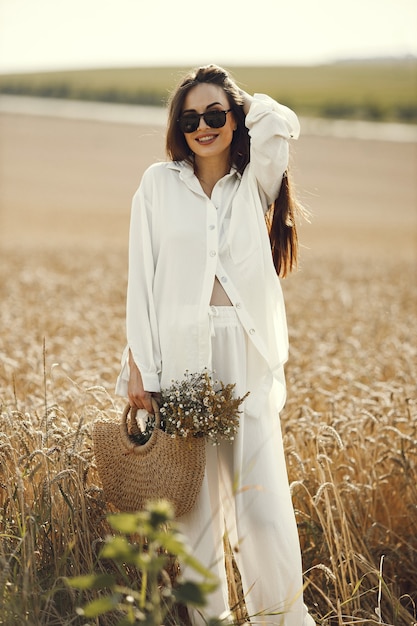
142	601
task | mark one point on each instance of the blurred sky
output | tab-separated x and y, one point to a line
67	34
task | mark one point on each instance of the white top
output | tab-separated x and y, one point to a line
180	239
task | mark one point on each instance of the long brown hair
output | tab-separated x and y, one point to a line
281	216
281	221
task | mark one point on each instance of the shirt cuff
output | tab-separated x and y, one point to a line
150	380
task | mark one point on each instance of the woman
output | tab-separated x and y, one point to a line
203	292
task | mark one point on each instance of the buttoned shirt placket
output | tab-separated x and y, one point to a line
217	237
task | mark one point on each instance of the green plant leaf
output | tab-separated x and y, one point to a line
190	593
101	606
91	581
171	542
127	523
118	548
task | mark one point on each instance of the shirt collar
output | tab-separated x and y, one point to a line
187	171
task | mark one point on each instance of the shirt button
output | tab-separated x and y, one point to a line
212	227
224	279
251	331
238	305
212	253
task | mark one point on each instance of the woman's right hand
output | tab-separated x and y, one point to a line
137	395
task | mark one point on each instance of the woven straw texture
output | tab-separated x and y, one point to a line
163	468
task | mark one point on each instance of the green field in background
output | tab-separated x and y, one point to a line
378	90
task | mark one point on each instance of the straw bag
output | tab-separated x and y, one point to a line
162	468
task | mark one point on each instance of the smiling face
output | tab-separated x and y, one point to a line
206	142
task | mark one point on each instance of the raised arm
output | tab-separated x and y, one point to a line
271	125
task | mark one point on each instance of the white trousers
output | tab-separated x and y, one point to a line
245	491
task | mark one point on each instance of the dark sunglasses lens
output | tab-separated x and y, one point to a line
215	119
189	123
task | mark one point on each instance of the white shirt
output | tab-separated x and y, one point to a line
180	239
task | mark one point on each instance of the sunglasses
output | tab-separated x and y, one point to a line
189	122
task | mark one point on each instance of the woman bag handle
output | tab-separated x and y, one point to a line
128	432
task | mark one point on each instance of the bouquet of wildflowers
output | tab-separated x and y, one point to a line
199	406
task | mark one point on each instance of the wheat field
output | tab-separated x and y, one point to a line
350	420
